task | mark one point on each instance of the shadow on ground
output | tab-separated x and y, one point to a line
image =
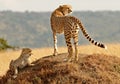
90	69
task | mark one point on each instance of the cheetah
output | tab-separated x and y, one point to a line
21	61
63	22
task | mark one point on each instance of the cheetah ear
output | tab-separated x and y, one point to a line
60	6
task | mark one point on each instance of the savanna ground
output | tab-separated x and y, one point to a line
95	66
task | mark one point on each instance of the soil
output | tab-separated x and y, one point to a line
90	69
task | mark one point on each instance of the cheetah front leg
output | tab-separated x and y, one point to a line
55	44
15	72
29	62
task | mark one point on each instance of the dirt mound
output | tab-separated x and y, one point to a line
90	69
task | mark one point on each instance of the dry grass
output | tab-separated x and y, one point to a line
90	69
112	49
5	57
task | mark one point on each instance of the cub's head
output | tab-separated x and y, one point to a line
64	10
26	52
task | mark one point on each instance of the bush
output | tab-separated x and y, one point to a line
4	45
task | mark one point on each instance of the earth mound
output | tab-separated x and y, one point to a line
90	69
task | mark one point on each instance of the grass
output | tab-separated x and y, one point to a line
95	66
90	69
6	57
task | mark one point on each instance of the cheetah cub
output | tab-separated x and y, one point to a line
21	61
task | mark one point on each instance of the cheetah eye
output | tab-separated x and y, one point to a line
68	9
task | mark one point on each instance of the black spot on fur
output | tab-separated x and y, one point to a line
102	46
95	43
92	41
89	39
86	35
99	44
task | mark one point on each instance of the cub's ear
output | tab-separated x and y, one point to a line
60	6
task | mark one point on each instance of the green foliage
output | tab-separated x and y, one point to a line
32	29
4	45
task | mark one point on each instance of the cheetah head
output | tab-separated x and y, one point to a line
26	52
65	9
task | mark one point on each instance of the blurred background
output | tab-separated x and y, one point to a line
26	23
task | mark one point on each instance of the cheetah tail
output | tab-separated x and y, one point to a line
87	36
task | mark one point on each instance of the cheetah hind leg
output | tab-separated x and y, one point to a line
76	53
69	59
70	50
75	38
